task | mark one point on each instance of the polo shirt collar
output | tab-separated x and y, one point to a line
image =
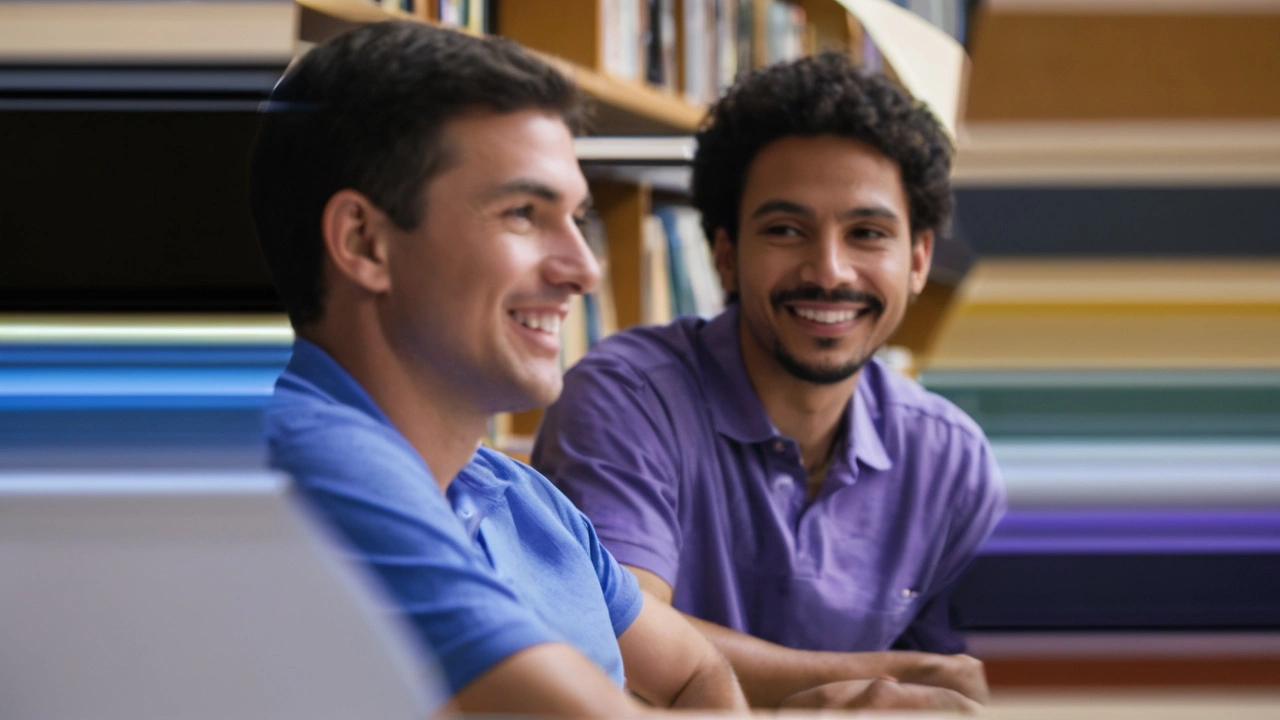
476	489
864	442
312	365
736	410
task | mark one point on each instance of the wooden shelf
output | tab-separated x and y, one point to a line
356	11
623	107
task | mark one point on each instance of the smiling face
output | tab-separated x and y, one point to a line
824	265
480	287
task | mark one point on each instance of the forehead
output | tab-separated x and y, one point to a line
487	147
821	172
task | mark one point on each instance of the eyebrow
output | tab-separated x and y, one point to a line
794	208
528	186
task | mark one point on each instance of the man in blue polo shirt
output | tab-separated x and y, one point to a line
416	194
761	471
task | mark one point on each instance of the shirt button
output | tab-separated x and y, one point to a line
781	482
465	513
779	446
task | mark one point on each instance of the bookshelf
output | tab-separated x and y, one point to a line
637	157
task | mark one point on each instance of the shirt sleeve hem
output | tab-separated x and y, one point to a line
624	620
627	552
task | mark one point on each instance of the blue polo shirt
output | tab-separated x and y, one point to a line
661	439
499	563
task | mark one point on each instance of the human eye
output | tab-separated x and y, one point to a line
869	233
781	230
521	212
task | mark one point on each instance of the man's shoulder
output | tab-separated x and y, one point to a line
639	353
521	484
907	400
311	434
514	477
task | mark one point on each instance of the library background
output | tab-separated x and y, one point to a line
1106	303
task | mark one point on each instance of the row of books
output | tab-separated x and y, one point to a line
700	47
475	15
641	37
677	277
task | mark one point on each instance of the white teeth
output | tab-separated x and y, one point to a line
544	322
827	317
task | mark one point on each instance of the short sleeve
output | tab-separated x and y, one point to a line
980	503
621	589
380	498
609	446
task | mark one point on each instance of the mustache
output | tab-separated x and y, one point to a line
815	293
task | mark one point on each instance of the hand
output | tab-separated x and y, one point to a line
880	695
961	673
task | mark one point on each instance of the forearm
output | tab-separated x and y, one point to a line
771	673
713	686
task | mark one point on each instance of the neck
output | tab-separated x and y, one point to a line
443	427
806	412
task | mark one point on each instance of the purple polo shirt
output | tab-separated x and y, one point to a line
660	439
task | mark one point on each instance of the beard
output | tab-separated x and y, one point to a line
813	372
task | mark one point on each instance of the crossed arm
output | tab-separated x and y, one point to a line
776	676
668	663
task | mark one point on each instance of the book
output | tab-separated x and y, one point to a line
726	65
601	314
693	281
655	285
682	301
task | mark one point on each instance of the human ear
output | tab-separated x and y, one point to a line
353	240
921	261
726	258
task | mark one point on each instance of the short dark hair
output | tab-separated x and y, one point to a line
366	111
825	94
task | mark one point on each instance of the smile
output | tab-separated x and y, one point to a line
826	317
543	322
827	321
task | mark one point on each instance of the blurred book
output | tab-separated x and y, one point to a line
623	27
655	275
660	51
601	315
696	70
692	278
451	12
786	32
574	337
746	36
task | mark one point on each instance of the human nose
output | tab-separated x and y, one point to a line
572	265
829	264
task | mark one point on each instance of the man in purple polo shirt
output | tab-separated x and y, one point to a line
762	471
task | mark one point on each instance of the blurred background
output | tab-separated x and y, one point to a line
1106	304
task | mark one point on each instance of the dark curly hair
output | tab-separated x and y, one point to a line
366	111
825	94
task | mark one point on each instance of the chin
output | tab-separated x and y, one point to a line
541	392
